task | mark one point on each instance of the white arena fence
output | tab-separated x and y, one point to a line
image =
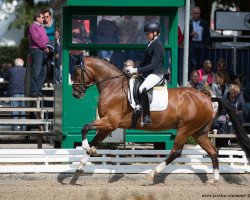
117	161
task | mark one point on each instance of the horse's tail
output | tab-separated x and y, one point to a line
241	133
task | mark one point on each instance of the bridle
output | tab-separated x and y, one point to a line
82	82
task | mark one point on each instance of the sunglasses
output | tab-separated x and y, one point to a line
46	16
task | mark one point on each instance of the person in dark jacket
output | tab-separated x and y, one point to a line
151	66
15	76
199	36
107	33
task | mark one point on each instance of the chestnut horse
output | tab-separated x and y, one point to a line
189	111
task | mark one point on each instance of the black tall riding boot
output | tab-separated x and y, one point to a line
145	107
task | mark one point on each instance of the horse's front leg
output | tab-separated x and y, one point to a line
103	127
85	144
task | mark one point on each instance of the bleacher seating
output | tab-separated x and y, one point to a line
39	125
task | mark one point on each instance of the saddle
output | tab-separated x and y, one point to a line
158	97
137	83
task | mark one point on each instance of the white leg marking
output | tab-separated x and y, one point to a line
150	175
216	174
85	145
83	161
160	167
215	179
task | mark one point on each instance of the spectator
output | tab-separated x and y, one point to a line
4	68
15	75
220	87
38	41
80	31
107	33
235	98
49	26
120	56
222	123
75	58
194	81
231	76
208	91
199	36
128	28
57	57
205	74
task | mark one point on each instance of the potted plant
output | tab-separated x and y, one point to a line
192	144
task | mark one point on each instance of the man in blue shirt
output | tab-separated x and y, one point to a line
199	36
15	76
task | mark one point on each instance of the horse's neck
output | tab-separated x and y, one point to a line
115	84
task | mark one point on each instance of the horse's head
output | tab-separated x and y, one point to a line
81	81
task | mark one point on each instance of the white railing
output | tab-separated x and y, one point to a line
117	161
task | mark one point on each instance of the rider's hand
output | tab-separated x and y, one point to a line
131	70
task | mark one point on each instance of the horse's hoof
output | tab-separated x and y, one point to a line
150	176
212	182
92	151
79	171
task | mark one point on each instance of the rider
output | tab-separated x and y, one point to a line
151	66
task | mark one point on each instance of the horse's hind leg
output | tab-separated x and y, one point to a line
207	145
175	153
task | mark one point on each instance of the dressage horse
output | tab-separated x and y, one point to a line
189	111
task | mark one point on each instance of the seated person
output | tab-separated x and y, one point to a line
235	98
222	123
220	87
208	91
231	76
194	81
205	74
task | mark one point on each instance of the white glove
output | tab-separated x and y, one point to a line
131	70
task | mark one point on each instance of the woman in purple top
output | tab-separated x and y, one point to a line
38	41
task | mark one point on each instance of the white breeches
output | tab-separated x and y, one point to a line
150	81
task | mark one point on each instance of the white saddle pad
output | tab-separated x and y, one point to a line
159	101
